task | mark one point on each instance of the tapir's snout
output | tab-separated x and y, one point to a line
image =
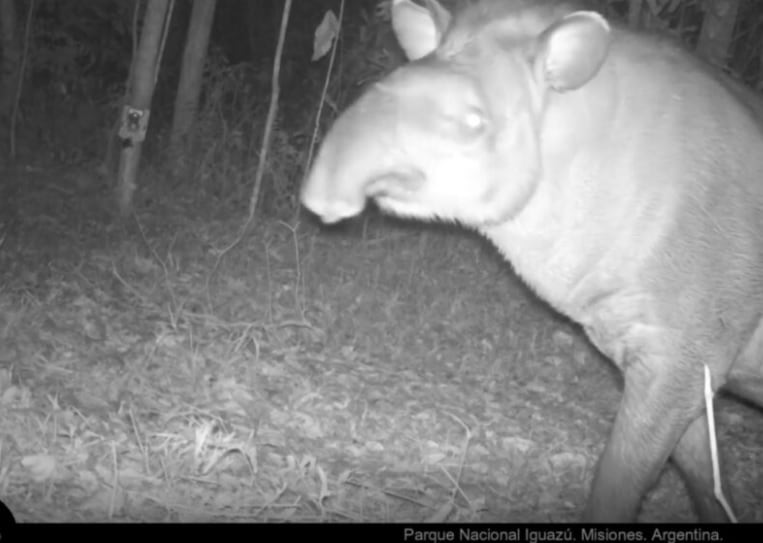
355	153
327	208
332	194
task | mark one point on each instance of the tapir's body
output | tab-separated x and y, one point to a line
621	177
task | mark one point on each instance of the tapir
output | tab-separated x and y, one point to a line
618	174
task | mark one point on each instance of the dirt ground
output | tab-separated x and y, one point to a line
375	371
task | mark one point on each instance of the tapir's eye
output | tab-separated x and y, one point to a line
473	123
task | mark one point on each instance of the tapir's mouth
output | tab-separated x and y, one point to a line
398	185
388	190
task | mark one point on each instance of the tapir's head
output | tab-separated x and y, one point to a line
455	134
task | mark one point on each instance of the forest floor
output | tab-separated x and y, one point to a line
375	371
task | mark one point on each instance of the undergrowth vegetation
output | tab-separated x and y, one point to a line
374	371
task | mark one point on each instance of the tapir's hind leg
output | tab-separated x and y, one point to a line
662	398
693	458
692	453
745	378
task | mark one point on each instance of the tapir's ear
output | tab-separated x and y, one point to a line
571	51
419	29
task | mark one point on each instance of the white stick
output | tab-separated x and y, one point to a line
718	491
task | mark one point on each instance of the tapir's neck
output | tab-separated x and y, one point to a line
579	227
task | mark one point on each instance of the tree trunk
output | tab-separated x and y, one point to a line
634	13
189	87
10	62
135	115
717	31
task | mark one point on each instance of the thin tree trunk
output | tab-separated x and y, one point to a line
10	62
634	13
717	31
135	114
189	87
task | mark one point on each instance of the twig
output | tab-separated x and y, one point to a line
717	490
20	82
275	89
324	93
